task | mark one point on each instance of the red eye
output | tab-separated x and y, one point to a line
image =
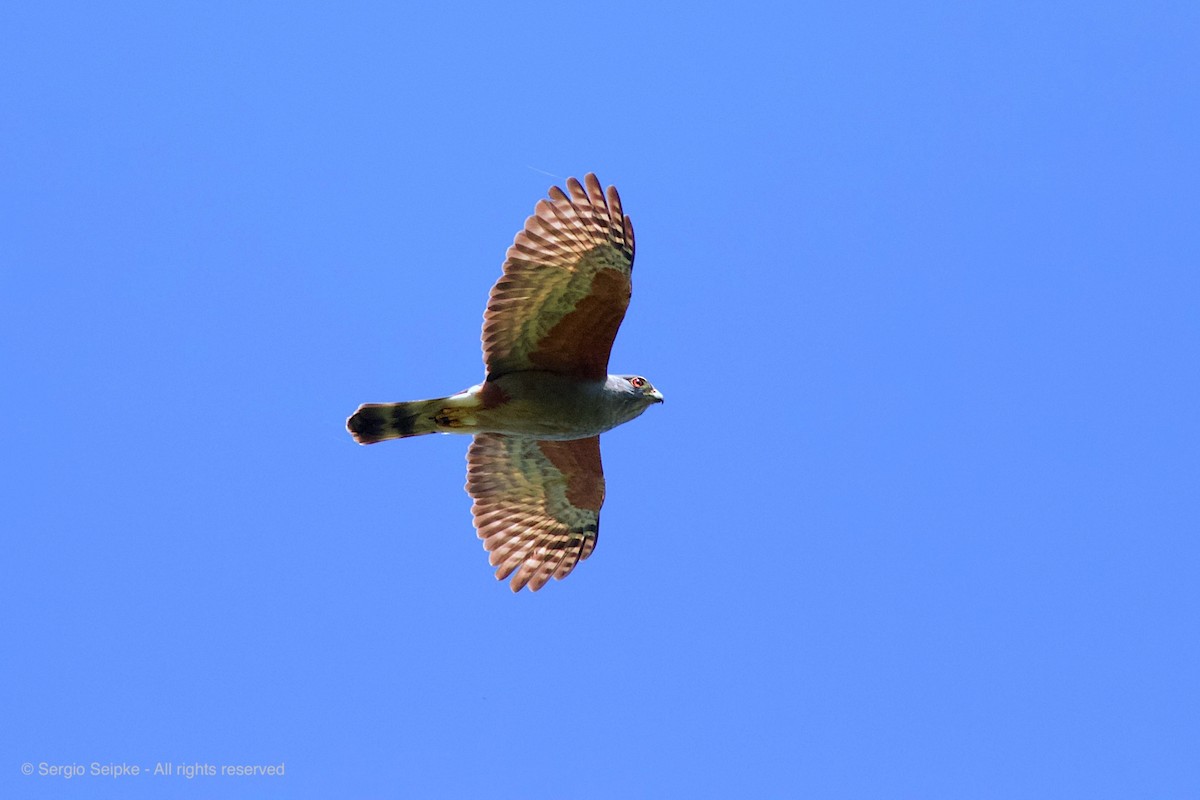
638	382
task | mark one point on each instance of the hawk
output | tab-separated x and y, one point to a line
533	468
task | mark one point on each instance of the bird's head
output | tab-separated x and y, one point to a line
641	388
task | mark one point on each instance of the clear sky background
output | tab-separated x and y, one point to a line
918	519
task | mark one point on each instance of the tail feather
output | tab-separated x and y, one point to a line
377	422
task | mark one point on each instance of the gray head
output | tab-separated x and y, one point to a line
637	388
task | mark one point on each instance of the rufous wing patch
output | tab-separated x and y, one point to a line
580	342
578	460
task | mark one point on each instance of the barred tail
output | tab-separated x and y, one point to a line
377	422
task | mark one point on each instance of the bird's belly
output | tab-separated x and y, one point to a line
521	419
545	406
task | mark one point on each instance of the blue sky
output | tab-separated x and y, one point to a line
918	519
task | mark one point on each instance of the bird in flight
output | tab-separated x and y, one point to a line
533	468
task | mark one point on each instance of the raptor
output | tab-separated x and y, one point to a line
533	468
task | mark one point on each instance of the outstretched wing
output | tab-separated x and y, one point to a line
565	286
537	504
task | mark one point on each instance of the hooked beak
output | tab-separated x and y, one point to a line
657	396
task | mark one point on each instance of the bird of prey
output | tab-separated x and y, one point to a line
533	468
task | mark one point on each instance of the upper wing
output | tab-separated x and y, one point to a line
537	504
565	286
